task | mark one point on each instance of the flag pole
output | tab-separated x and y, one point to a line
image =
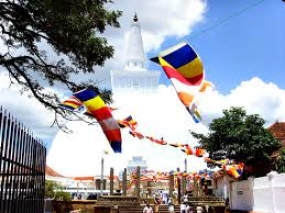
185	164
102	175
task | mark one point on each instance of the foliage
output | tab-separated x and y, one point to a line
72	28
63	196
242	138
54	190
49	188
280	161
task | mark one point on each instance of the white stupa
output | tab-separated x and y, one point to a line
135	92
134	77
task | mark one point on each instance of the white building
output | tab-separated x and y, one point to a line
155	107
135	162
134	77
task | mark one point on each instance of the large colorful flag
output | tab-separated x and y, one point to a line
97	107
184	68
182	88
185	61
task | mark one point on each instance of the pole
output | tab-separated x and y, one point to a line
111	181
185	183
124	182
102	173
138	183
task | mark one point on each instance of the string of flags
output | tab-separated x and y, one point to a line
130	123
185	70
234	170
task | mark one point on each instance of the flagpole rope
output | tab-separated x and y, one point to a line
224	20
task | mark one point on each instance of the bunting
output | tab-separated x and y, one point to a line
128	122
197	151
98	109
186	148
234	171
71	104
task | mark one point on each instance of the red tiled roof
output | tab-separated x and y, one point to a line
51	172
278	130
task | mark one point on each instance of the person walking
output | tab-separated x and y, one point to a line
147	209
183	206
199	209
170	206
190	208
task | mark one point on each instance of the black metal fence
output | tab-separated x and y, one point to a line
22	168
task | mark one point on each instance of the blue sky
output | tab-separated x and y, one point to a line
250	43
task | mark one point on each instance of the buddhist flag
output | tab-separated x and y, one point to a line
188	150
136	134
184	68
128	122
98	109
185	61
158	141
205	84
181	86
234	170
72	104
199	152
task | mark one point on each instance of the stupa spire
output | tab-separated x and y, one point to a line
134	57
135	18
135	77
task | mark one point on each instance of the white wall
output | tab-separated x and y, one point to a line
262	194
265	194
241	196
269	193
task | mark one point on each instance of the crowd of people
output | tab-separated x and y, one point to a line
185	207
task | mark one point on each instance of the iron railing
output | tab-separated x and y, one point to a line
22	167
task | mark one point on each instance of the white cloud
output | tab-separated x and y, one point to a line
160	19
160	115
26	110
255	95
